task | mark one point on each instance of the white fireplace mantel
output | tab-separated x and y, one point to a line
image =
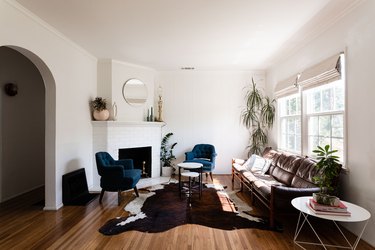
110	136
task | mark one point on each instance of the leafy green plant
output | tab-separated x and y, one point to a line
258	116
166	151
99	104
329	168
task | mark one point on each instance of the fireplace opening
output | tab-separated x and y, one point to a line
141	158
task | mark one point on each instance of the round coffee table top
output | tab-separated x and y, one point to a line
357	213
190	165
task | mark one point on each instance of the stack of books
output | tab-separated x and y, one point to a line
316	208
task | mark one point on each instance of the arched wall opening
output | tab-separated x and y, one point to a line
49	125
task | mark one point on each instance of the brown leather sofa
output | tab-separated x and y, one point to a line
288	176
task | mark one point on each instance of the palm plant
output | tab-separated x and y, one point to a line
258	116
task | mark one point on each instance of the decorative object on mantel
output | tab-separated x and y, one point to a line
114	111
150	115
160	105
329	169
100	111
11	89
166	155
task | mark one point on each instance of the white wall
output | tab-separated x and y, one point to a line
22	133
355	33
205	107
74	82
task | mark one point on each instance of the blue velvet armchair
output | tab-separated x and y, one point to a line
205	154
116	176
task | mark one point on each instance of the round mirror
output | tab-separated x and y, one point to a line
134	92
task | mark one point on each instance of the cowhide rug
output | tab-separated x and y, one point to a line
161	208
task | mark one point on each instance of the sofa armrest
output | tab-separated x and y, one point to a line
238	161
291	192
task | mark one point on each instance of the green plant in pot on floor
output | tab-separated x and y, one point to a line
329	169
166	155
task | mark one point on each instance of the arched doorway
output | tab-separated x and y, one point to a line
48	118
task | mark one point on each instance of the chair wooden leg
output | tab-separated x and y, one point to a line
119	197
212	179
101	196
136	191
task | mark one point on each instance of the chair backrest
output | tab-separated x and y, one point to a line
103	159
204	151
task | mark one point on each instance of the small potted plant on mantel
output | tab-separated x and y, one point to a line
329	169
100	111
166	155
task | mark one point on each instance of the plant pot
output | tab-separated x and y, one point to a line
102	115
326	199
166	171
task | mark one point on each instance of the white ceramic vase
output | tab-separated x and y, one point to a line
166	171
102	115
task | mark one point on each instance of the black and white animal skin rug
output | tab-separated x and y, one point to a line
160	208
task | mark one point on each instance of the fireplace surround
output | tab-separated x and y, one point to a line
110	136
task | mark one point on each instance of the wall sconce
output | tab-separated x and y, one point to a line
11	89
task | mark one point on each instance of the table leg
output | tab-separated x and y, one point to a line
301	223
179	180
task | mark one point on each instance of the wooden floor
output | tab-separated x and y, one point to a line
24	225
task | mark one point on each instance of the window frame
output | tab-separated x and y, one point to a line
304	118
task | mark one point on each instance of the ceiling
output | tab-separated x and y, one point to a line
204	34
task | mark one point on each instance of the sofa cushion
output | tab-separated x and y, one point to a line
257	164
285	168
305	173
263	185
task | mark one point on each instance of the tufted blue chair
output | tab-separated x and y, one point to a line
116	176
205	154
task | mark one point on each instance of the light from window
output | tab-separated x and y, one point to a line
325	111
290	123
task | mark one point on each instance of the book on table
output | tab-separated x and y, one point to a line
316	206
340	210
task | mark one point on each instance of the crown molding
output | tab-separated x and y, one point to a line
48	27
324	20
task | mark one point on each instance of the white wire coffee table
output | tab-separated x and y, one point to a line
358	214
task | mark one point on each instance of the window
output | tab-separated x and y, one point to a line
290	123
315	115
325	117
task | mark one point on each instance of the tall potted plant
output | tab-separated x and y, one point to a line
166	155
329	169
100	111
258	116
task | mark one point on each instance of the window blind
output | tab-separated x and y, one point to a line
287	86
325	72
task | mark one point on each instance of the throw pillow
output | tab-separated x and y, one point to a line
257	164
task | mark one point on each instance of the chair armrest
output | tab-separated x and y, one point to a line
189	156
213	156
113	171
127	163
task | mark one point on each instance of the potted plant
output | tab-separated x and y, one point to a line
166	155
258	116
100	111
329	169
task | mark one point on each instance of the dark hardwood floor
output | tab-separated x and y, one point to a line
24	225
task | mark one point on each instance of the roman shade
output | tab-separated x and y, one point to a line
287	87
325	72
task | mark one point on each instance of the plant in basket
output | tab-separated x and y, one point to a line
329	169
